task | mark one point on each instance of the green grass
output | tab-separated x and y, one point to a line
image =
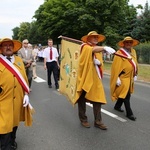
143	73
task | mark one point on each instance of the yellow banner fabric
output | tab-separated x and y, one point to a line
68	68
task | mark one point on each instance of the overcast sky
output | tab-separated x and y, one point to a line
13	12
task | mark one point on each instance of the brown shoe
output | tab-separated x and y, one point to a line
100	125
85	124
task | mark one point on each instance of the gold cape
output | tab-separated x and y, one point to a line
88	79
11	99
127	81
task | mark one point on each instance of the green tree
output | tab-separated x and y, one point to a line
24	31
15	33
74	18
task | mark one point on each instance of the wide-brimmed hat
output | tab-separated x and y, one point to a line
128	38
92	33
17	44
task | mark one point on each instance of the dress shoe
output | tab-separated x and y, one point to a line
100	125
34	77
119	109
14	146
50	86
57	87
85	124
132	117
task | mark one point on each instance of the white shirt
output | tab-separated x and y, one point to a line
12	58
46	54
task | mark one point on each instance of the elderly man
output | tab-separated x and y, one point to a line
124	72
14	92
27	56
89	80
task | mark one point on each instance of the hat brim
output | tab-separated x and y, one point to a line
101	37
17	45
135	42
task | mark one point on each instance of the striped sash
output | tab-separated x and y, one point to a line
130	60
15	72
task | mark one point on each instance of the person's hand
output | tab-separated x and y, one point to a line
45	67
118	83
96	61
25	100
109	49
135	78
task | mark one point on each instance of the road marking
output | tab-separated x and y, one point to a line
38	80
109	114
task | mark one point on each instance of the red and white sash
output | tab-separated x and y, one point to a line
97	67
98	70
15	72
130	60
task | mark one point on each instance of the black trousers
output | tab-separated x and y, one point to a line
126	102
82	109
52	67
29	74
6	140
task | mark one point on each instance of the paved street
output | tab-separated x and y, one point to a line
56	125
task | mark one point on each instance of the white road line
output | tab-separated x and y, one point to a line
38	80
109	114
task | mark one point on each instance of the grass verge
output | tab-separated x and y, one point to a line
143	74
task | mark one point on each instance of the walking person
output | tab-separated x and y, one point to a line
51	63
26	54
34	53
89	78
124	72
14	91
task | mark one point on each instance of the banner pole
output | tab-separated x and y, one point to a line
70	39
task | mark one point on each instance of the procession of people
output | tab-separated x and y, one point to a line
20	58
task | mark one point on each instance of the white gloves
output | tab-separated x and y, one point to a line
135	78
96	61
25	100
109	49
118	83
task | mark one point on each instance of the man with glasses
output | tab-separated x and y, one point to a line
89	79
124	72
14	92
27	56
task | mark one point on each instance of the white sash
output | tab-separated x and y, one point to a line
133	63
13	70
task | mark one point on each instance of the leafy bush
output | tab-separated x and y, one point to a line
143	53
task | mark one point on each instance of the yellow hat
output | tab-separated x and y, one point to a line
17	44
128	38
100	36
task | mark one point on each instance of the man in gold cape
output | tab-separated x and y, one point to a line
14	101
123	74
89	79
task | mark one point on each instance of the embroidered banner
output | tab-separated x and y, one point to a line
70	52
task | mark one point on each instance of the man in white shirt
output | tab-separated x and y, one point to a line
51	63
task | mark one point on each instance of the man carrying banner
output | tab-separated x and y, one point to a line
89	78
14	90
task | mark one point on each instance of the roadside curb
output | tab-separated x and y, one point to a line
138	81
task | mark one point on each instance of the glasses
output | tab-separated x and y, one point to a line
128	42
7	45
25	43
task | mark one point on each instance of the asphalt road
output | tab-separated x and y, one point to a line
56	125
